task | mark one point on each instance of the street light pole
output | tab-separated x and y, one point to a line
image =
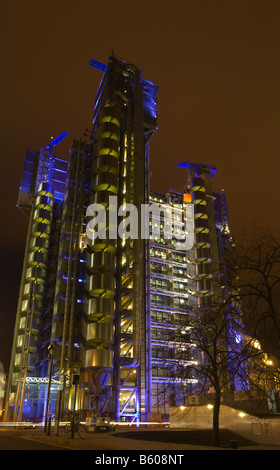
50	357
75	382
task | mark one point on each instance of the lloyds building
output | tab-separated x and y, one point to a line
108	310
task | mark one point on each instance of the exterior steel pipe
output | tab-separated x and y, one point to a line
69	226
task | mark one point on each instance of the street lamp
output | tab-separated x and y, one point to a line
75	381
50	357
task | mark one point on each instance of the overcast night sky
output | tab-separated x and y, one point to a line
217	65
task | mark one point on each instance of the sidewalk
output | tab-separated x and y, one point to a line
108	441
111	441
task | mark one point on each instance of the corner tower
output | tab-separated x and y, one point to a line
124	120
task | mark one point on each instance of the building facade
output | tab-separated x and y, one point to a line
101	320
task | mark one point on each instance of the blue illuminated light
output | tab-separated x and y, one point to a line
57	140
238	338
198	167
97	65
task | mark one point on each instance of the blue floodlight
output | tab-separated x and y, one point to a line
57	140
197	167
97	65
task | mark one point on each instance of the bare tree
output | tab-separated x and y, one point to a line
217	334
259	269
223	351
260	372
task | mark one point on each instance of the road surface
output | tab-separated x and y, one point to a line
18	440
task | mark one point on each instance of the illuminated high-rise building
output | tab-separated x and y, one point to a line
105	313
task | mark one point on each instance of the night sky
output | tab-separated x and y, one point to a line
217	65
